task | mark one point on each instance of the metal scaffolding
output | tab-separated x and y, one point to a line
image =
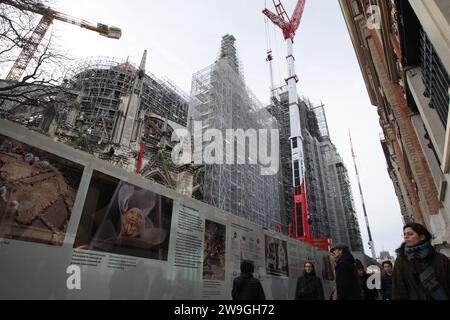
221	100
103	82
343	221
108	92
330	199
315	163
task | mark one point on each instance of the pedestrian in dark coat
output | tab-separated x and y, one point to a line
365	292
309	286
347	284
386	281
420	273
245	287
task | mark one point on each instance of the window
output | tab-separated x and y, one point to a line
435	78
357	10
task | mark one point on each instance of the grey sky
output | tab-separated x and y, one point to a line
184	36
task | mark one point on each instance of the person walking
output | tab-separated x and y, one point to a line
386	281
365	292
347	284
245	287
420	273
309	286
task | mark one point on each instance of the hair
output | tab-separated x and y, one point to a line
387	262
313	272
247	266
420	230
344	248
359	265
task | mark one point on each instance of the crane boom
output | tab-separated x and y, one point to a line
371	243
277	20
301	218
297	15
48	16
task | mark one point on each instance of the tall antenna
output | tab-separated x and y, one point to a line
371	244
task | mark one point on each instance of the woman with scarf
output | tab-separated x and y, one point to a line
420	273
309	286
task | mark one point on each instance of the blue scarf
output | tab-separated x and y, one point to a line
418	256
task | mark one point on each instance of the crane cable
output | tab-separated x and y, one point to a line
269	28
266	22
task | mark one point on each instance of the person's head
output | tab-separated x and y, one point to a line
247	266
415	234
387	266
309	268
338	251
361	271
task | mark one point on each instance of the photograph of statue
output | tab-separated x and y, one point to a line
276	257
121	218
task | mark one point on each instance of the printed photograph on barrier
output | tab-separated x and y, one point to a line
121	218
276	257
214	251
37	193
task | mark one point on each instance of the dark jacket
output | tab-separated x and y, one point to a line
309	287
366	293
245	287
347	283
386	287
406	284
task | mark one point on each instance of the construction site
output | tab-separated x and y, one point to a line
149	165
121	113
221	100
331	207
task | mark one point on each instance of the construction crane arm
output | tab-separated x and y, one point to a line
48	16
102	29
38	8
289	27
278	21
297	15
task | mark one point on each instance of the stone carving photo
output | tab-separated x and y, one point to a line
37	193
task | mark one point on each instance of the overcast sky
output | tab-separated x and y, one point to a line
183	37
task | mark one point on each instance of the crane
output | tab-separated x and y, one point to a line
289	26
371	243
48	16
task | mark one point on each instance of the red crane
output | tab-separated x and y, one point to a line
289	26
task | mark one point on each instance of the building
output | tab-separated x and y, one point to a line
330	200
116	111
220	101
385	256
342	218
403	48
314	163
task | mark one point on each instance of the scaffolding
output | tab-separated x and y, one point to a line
103	82
315	164
105	88
279	109
221	100
336	214
322	122
343	221
354	231
330	201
